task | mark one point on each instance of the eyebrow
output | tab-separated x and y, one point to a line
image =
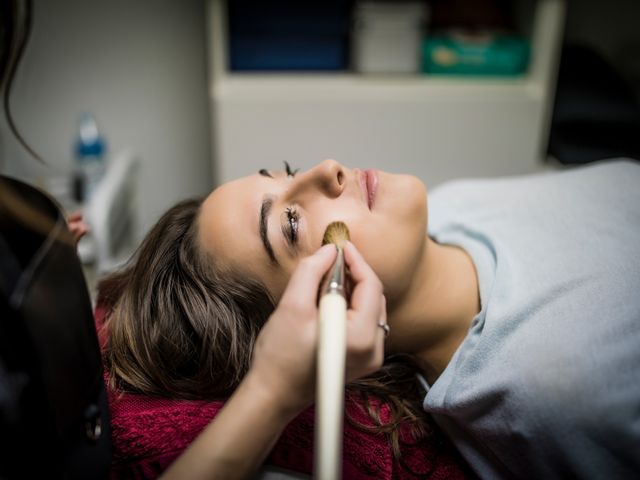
265	208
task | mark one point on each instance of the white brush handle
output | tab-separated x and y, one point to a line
332	344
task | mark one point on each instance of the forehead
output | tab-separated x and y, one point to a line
229	223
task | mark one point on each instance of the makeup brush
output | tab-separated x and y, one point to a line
332	344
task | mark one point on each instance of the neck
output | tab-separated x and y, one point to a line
433	317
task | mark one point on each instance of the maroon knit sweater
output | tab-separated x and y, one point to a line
149	433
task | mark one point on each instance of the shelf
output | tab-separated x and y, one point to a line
436	127
355	87
284	86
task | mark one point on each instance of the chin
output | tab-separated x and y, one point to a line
415	200
405	240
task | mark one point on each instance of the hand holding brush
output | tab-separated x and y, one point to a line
332	350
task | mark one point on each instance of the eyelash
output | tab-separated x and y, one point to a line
291	228
287	168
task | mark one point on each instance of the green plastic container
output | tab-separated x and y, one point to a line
487	54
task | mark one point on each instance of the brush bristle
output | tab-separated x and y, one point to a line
336	233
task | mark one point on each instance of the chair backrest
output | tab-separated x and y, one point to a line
111	212
54	417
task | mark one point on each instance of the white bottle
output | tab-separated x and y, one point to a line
89	157
89	152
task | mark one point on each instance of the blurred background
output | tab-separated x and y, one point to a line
136	105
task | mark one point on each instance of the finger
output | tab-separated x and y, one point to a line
366	331
75	216
383	316
368	288
359	269
364	324
78	226
303	285
365	351
79	232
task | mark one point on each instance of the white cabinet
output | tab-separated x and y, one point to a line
435	127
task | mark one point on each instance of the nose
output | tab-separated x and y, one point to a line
328	178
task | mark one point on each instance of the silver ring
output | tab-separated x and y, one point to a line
385	327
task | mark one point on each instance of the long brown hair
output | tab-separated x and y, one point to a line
176	327
15	30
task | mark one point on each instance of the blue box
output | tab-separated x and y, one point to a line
287	52
288	35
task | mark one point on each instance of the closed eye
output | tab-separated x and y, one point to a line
291	226
287	168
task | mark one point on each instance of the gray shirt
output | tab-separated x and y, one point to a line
547	382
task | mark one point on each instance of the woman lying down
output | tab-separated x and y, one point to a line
515	300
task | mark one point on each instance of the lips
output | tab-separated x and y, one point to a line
371	184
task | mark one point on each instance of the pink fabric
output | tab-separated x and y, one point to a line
149	433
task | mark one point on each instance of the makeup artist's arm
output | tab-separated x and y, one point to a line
281	380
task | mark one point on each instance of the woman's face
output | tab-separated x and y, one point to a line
262	225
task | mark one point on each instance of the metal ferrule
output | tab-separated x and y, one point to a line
334	280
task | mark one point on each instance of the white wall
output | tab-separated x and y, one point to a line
140	68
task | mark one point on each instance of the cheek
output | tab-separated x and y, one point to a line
394	255
391	239
393	242
274	279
